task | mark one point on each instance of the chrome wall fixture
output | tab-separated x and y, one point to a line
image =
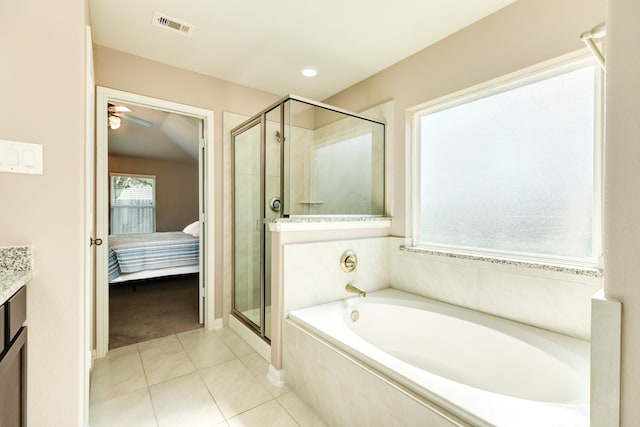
355	290
348	261
274	204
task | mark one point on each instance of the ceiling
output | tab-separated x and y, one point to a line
170	136
263	44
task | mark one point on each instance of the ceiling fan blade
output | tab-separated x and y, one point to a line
137	120
113	108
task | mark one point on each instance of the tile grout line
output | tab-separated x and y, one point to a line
197	371
295	420
146	379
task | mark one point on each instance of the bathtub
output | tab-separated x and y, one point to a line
486	370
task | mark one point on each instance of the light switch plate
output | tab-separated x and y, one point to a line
20	157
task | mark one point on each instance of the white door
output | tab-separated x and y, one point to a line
89	258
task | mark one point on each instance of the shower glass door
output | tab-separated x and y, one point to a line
247	225
257	153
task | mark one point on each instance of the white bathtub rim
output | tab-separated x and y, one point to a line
568	354
509	327
469	403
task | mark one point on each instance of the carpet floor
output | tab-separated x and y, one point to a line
155	309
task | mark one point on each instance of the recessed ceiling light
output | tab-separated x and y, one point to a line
309	71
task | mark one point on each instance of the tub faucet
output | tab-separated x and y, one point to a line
355	290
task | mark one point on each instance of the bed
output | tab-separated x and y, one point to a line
144	256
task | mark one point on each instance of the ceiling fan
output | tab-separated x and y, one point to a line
117	112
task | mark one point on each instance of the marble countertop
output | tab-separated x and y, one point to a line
320	219
11	282
310	223
16	269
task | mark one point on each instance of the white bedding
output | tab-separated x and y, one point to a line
141	256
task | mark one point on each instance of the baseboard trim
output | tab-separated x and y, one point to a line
218	323
275	376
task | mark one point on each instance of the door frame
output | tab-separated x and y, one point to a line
105	95
89	206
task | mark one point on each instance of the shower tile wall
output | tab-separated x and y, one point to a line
298	178
336	163
341	157
272	166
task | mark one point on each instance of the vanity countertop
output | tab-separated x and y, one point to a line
16	269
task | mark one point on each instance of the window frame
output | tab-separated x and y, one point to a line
155	198
505	83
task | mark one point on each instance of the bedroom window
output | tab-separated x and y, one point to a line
512	170
133	204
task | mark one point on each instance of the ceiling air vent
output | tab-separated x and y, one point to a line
164	21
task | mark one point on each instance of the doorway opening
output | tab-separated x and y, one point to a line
152	202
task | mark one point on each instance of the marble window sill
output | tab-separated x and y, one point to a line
582	271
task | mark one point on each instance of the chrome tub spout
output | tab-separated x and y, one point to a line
355	290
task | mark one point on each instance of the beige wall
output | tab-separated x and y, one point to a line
622	186
176	188
522	34
117	70
42	101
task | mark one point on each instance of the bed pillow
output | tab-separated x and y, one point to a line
193	229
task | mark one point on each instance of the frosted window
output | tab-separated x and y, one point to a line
513	171
133	204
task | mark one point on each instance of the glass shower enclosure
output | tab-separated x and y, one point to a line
297	158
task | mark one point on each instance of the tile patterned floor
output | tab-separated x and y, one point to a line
195	378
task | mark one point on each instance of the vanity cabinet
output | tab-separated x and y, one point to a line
13	361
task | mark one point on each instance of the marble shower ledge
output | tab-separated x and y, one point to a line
591	272
327	223
16	269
